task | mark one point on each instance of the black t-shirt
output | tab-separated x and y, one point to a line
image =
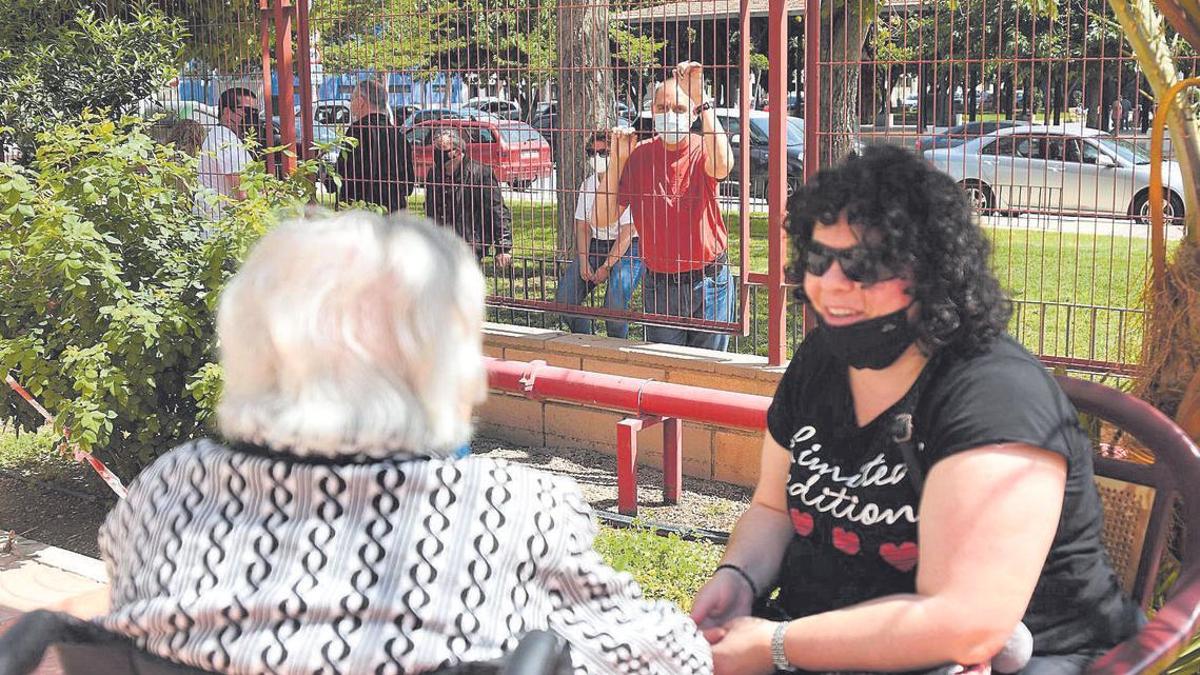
854	509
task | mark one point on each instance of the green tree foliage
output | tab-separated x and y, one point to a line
392	36
57	60
109	283
1051	49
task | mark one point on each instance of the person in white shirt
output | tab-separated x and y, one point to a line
223	156
602	253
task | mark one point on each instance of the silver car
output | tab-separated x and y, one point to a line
1059	169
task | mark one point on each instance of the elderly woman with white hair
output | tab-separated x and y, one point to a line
339	525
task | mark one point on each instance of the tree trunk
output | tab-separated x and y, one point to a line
972	94
1005	96
585	102
841	41
1092	100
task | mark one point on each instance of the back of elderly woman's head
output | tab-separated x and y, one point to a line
353	335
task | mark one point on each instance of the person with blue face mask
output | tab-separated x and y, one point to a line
669	186
604	253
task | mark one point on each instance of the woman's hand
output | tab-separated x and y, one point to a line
742	647
724	598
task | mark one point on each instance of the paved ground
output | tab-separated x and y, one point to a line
705	503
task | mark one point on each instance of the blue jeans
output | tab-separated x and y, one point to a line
622	281
703	294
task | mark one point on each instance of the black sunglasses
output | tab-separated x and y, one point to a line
858	263
593	152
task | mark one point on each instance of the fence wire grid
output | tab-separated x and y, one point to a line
504	119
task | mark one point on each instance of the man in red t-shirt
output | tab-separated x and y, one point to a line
669	185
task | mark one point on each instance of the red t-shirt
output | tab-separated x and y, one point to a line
673	202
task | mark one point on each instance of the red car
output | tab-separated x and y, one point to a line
514	150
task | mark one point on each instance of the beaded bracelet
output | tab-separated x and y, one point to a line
742	572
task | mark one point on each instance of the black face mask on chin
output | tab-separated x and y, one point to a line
874	344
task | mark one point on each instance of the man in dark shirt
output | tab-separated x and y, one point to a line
378	169
463	194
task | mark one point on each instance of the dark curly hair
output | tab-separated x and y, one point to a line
915	218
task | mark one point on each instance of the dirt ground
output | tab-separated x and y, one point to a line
68	512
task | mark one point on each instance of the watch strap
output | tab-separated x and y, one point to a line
778	656
707	105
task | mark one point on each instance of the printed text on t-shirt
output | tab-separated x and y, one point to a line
838	500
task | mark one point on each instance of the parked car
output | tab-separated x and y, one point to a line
330	119
192	110
445	113
1069	169
962	133
516	151
403	110
551	108
757	134
504	109
548	126
791	103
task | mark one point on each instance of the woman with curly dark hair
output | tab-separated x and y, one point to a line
925	486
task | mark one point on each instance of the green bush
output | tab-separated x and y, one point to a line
109	283
58	59
667	568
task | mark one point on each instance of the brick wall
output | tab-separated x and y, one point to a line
723	453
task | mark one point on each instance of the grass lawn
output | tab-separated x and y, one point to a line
1076	294
1038	118
666	568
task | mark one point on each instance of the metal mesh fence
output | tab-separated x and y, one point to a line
1043	119
488	115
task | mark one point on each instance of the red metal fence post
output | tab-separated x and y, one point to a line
777	185
672	459
812	103
743	165
627	431
283	60
264	37
304	65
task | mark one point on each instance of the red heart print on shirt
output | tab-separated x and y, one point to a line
902	557
846	541
802	521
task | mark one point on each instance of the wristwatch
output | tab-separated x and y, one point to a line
778	658
707	105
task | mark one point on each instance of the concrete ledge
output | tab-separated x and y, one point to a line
35	575
727	454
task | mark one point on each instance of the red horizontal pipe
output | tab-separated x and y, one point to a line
643	397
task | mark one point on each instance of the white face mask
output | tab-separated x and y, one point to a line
673	127
599	164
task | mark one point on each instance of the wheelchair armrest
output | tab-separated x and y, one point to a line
540	652
1159	642
24	644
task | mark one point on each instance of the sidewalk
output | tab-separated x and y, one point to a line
34	575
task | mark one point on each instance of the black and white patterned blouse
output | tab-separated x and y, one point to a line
240	562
